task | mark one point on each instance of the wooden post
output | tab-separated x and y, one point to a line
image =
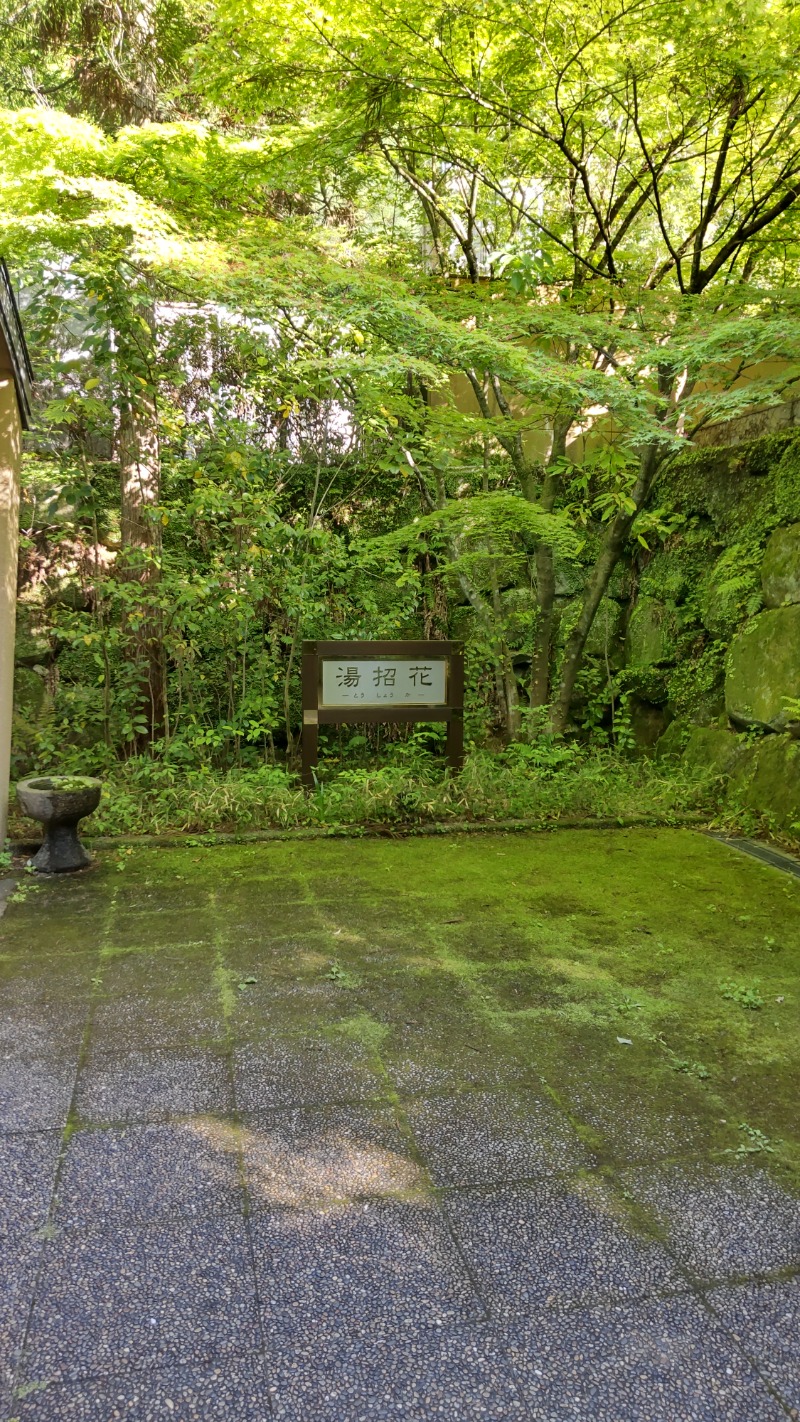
455	696
310	699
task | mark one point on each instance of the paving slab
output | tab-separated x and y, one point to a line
147	999
424	1376
233	1391
43	1030
722	1221
765	1321
150	1086
142	1020
35	1091
480	1137
27	1171
264	1004
388	1261
641	1111
20	1258
554	1245
327	1156
116	1301
304	1070
181	1170
663	1361
439	1051
162	929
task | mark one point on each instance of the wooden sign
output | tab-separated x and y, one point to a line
348	682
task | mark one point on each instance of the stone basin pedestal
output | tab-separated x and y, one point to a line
59	802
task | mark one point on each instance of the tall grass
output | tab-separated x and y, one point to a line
144	796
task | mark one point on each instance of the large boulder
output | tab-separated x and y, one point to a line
647	723
766	781
764	669
605	632
730	591
666	577
652	634
780	571
711	750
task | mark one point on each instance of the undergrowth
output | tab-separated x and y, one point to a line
145	796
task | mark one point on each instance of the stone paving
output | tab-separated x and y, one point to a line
262	1158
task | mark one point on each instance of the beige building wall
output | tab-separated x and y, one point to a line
10	459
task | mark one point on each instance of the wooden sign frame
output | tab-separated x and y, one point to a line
316	714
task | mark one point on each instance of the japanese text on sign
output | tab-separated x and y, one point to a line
391	681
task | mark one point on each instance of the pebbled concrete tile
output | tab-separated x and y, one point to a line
326	1156
19	1262
662	1361
148	1019
35	1091
553	1244
27	1171
274	1004
44	1004
482	1138
149	1086
433	1056
115	1301
184	1170
765	1320
162	929
641	1118
436	1376
234	1391
166	972
50	1029
67	935
350	1267
303	1071
722	1221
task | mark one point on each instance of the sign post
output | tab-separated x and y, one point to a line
349	682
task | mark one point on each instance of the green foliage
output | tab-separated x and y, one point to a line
745	994
383	351
756	1142
525	783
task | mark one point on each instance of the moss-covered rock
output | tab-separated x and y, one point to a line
670	745
764	669
606	631
652	634
742	489
666	577
767	782
786	478
620	584
570	577
780	570
731	590
712	750
696	686
648	723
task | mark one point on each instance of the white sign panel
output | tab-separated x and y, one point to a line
393	681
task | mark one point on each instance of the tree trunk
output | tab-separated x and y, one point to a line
544	564
141	25
140	559
435	612
611	551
